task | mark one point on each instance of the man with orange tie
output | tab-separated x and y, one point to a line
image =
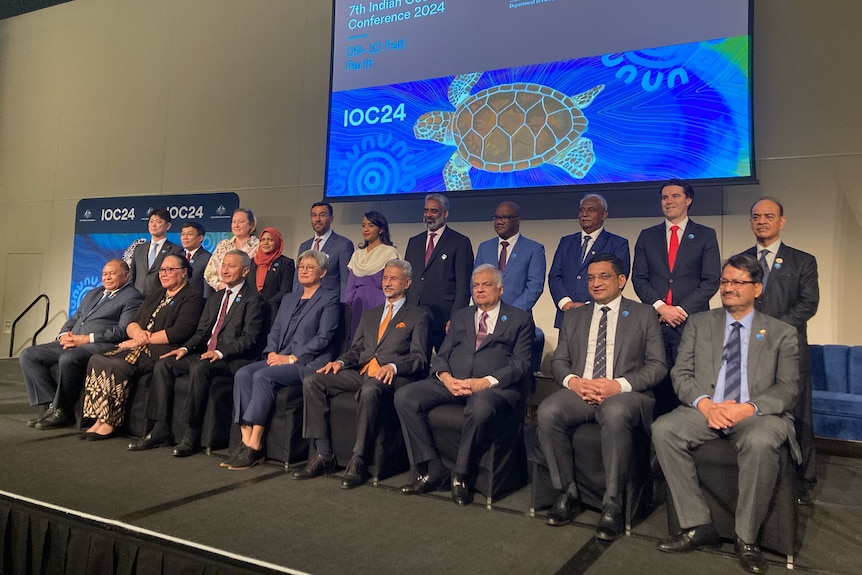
390	350
676	270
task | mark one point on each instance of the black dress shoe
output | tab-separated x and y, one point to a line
99	437
564	510
247	458
611	526
55	419
803	497
355	475
750	557
425	484
43	413
231	456
316	467
691	539
461	492
186	448
85	435
150	442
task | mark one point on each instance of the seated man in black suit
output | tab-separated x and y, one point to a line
389	350
227	338
99	323
481	365
609	356
742	385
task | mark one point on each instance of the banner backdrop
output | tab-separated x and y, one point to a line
108	228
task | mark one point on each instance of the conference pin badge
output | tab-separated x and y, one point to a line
626	313
444	256
761	334
691	236
503	318
778	262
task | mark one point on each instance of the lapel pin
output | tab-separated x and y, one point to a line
761	334
625	313
503	318
691	236
443	257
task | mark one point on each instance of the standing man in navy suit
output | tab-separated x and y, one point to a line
443	260
147	257
790	293
337	248
568	276
98	324
676	270
192	238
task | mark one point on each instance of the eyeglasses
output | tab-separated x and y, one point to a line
305	268
734	283
503	218
168	270
602	277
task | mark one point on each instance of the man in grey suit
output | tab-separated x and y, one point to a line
790	293
609	356
98	324
733	364
338	249
389	351
191	238
147	257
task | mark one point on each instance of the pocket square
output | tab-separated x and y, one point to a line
400	324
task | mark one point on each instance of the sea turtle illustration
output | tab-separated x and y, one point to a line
508	128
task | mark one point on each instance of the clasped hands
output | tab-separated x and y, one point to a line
594	391
672	315
139	339
385	373
724	414
68	340
277	359
463	387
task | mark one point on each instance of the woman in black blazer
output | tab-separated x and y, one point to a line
271	272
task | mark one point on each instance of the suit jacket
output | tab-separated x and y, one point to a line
108	320
773	372
179	318
442	286
278	282
505	354
792	293
696	272
145	277
199	265
568	276
339	249
240	339
311	339
404	343
524	276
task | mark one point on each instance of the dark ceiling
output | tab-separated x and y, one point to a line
10	8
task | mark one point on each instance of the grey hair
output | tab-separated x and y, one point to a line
498	275
321	258
403	265
599	197
246	259
440	199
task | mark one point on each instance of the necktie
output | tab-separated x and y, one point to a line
483	329
501	264
211	344
765	265
317	244
584	248
600	361
673	248
733	364
373	365
154	251
104	297
429	249
188	256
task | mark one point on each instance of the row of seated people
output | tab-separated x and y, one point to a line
609	357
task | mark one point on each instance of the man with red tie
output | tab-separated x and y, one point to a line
676	270
389	351
192	238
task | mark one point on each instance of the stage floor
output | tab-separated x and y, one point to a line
263	517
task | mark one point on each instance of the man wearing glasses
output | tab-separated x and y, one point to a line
733	363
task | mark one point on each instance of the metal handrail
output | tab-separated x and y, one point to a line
23	313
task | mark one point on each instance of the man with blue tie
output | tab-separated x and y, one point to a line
147	257
567	279
98	324
736	374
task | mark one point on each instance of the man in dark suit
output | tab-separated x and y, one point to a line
567	279
790	293
147	257
191	238
390	350
301	341
226	339
337	248
610	354
481	365
676	269
737	377
98	324
442	260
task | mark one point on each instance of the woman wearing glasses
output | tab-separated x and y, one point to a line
166	319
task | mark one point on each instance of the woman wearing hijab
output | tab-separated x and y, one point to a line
271	272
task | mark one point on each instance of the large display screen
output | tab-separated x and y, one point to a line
458	95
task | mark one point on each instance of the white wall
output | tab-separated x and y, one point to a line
122	97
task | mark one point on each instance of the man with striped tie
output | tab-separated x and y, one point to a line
609	356
733	363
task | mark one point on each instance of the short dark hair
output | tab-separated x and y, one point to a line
198	227
161	213
183	264
327	204
616	263
686	187
771	199
746	263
